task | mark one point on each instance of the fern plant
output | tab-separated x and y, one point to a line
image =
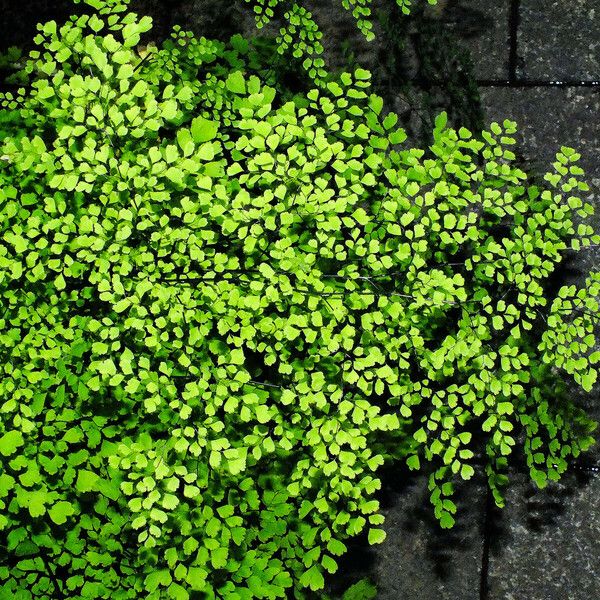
300	34
360	9
225	310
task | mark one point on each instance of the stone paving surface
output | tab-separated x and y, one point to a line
482	27
544	544
559	39
421	561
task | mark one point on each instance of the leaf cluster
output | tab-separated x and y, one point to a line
300	35
225	310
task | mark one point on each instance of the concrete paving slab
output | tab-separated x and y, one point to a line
559	40
482	28
545	543
549	118
419	559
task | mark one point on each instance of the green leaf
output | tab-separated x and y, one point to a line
157	578
588	380
236	83
540	478
376	536
263	414
196	577
362	590
170	502
203	130
413	462
10	441
86	481
397	137
336	547
446	520
206	152
420	436
441	120
61	511
190	545
329	564
169	110
313	579
185	141
122	305
177	592
505	408
467	471
36	503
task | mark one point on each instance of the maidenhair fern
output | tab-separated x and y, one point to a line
300	34
224	311
360	9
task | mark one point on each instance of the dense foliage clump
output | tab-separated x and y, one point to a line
224	311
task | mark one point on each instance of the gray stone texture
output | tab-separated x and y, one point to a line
559	39
549	118
546	543
419	559
482	28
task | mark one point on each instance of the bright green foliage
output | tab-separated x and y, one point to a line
300	36
362	590
570	344
224	311
567	343
106	7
